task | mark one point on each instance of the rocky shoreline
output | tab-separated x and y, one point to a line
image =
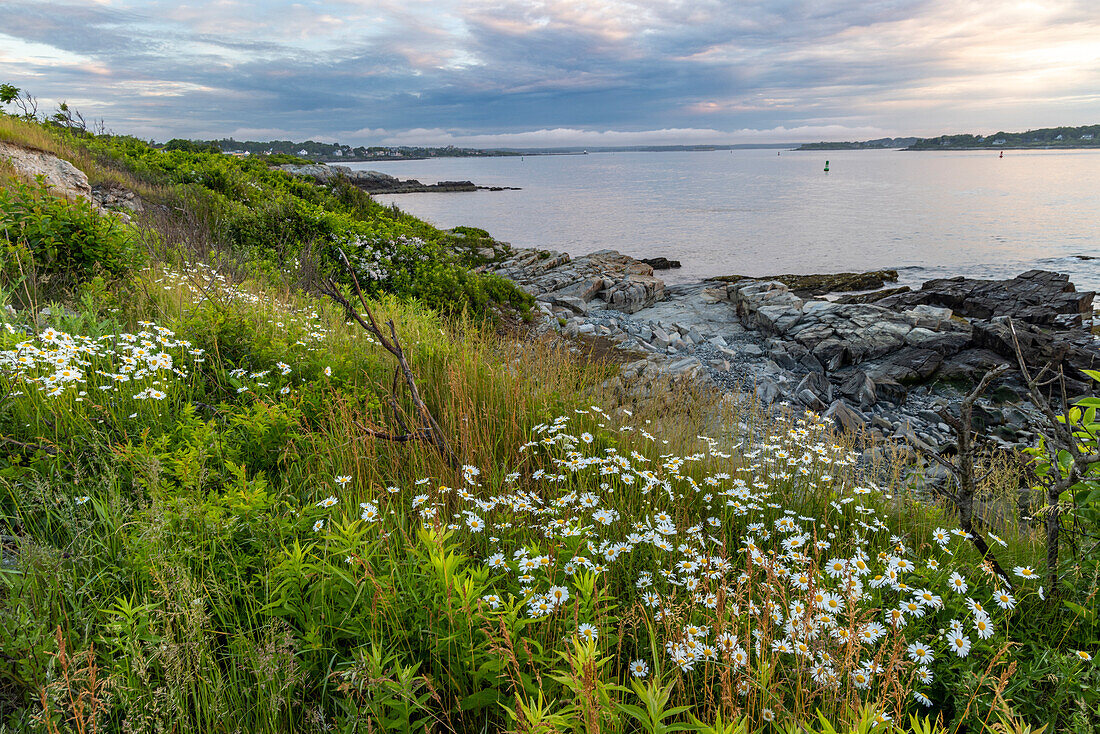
376	182
881	368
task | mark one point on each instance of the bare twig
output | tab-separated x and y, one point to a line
430	430
963	471
51	450
1058	436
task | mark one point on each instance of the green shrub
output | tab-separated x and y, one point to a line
54	244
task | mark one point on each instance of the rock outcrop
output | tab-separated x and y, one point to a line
604	279
376	182
884	368
1038	297
819	285
62	177
65	179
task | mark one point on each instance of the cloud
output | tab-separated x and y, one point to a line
583	70
572	137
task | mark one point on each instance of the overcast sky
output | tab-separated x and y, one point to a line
559	72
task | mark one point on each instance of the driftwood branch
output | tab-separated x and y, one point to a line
430	429
963	471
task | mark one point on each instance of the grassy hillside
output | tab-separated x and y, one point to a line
203	527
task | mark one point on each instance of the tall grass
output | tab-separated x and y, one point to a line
219	544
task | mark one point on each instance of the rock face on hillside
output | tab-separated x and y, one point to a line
604	279
376	182
62	177
65	179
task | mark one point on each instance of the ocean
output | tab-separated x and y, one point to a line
753	212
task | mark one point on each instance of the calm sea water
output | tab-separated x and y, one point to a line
753	212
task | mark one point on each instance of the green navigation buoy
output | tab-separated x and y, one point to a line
826	166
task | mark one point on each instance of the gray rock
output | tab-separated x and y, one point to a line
1036	296
906	365
811	401
858	386
846	418
816	383
768	391
574	304
890	390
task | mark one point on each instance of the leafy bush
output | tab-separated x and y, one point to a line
60	243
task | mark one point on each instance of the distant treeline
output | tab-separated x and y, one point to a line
316	151
1084	136
1047	137
879	143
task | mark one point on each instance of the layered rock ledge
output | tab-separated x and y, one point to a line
881	367
376	182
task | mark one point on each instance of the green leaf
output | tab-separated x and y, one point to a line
480	700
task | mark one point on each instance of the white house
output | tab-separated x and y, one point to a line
1086	136
303	151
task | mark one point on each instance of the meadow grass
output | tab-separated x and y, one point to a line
199	533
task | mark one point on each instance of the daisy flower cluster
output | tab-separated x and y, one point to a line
783	558
200	282
114	369
138	365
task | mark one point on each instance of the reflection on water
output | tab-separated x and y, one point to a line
927	214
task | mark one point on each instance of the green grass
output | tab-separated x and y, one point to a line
201	533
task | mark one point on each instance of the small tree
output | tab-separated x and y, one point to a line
27	104
69	118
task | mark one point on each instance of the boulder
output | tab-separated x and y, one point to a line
660	263
634	293
62	177
1037	296
859	387
816	383
768	391
811	401
846	418
890	390
585	289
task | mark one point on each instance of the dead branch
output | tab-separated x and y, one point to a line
430	429
51	450
1058	436
963	472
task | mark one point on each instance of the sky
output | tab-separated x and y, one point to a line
532	73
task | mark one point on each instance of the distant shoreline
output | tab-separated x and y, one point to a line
950	149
